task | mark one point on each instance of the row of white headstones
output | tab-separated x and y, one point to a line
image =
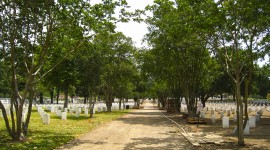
62	112
227	110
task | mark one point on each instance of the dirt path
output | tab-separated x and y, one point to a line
141	129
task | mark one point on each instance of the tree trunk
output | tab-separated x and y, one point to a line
109	102
221	97
92	105
57	96
85	100
51	94
245	103
10	131
203	101
29	111
239	111
120	101
66	98
41	98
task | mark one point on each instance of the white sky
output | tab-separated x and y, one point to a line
133	29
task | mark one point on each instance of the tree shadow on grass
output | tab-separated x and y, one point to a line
35	140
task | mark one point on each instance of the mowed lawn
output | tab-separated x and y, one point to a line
58	132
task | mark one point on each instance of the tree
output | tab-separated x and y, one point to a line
117	53
180	51
261	82
25	35
36	36
237	28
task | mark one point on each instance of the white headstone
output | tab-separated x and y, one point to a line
99	109
64	115
52	109
77	113
94	110
86	111
46	118
23	117
258	116
41	113
59	112
213	119
103	108
225	122
80	110
55	109
202	114
252	121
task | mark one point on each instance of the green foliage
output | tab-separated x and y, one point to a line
58	132
262	81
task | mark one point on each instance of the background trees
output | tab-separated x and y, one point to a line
36	36
186	36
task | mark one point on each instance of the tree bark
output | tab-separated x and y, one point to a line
239	111
57	95
41	98
51	94
120	101
66	98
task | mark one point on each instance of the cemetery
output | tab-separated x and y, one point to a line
200	69
51	123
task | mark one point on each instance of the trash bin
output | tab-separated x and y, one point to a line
127	106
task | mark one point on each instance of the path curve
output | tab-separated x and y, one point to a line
140	129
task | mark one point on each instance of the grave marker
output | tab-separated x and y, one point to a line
252	121
46	118
64	115
213	119
225	122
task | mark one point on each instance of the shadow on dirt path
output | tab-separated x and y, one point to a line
141	129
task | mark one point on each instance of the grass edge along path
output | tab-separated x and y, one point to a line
58	132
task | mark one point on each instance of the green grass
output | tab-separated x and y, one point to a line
58	132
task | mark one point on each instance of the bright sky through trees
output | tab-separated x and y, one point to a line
133	29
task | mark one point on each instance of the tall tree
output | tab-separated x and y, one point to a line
116	50
238	27
181	53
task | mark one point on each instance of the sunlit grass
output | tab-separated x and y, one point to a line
58	132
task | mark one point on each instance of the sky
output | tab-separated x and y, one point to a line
133	29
